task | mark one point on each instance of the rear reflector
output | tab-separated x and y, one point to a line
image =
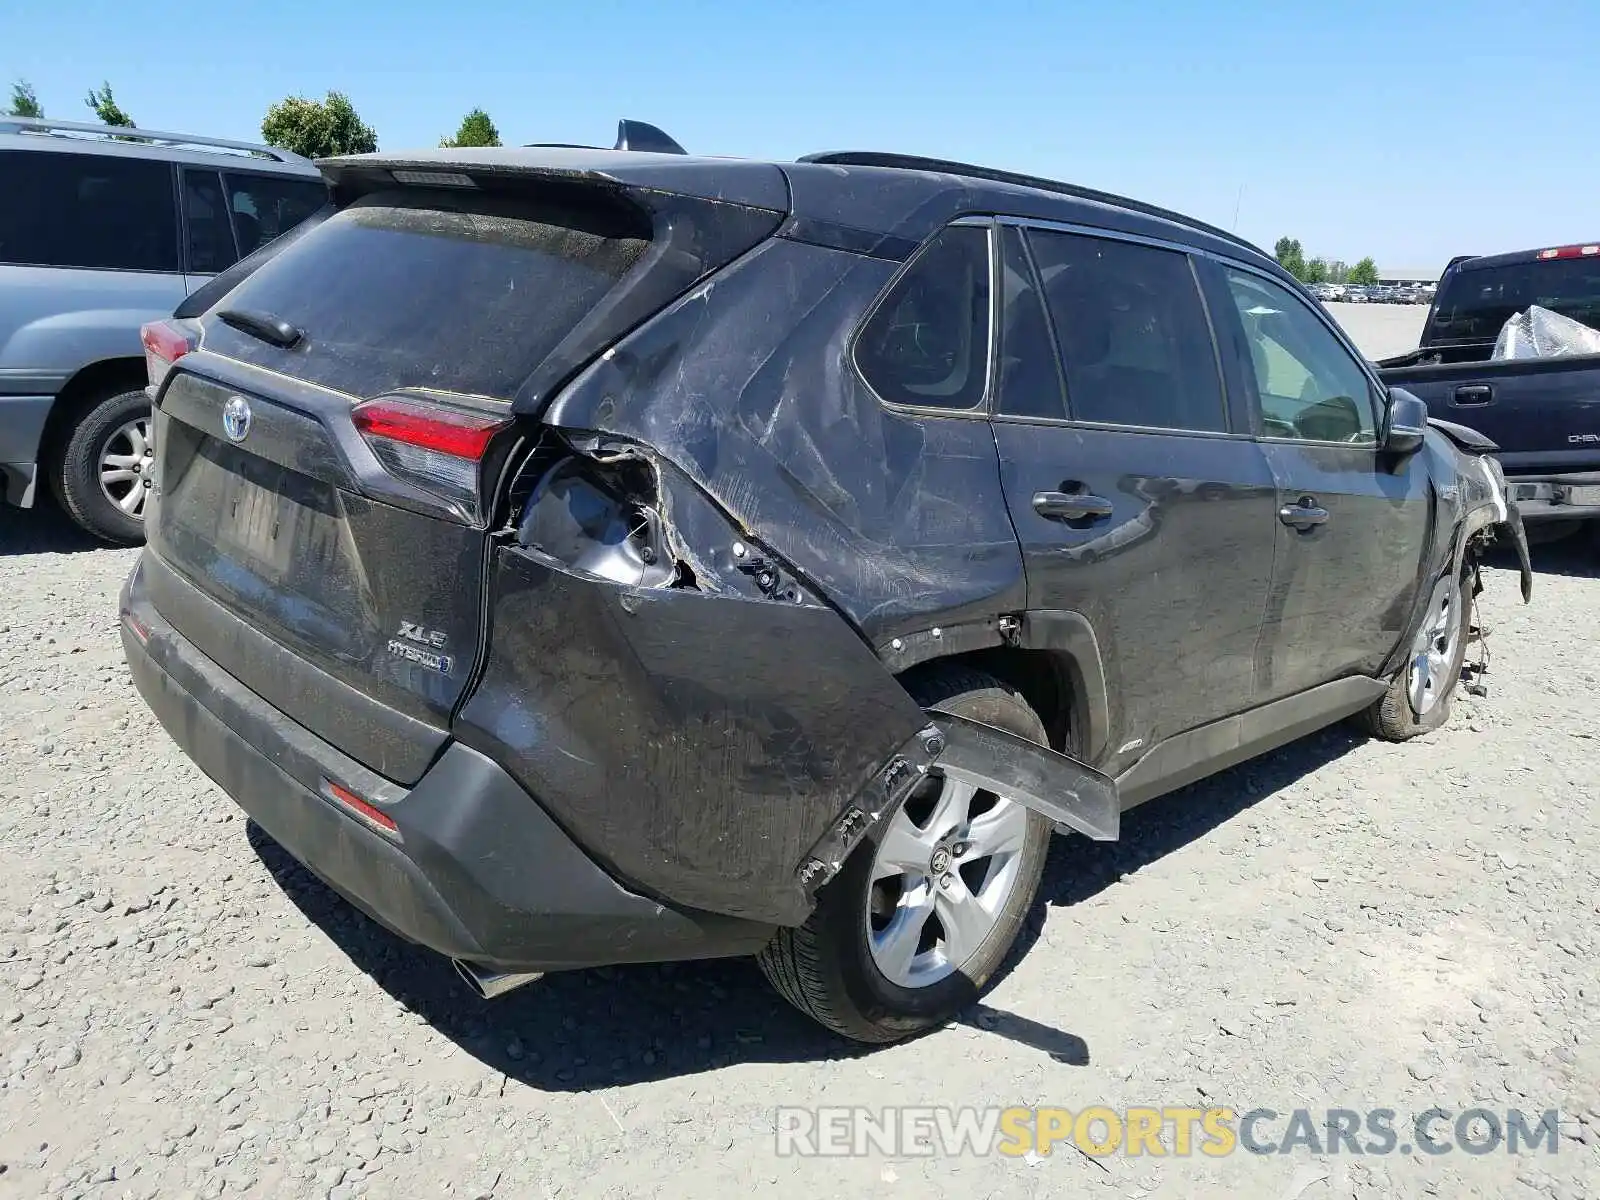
435	448
368	812
163	346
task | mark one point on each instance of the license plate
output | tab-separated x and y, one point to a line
257	523
1586	494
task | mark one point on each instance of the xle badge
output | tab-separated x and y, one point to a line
415	644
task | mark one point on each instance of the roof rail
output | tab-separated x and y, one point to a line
155	137
914	162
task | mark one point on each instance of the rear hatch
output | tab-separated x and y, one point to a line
329	456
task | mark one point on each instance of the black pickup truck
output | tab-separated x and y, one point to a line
1543	413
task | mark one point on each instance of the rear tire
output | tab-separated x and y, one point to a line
1412	706
858	965
109	442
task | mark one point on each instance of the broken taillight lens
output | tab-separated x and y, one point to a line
164	344
430	446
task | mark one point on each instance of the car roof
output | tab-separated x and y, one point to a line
77	137
1511	258
900	196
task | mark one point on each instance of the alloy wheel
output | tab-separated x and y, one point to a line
1433	653
127	462
941	877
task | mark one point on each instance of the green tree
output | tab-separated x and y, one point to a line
1338	271
24	103
1364	272
318	128
102	104
1291	257
476	130
1316	271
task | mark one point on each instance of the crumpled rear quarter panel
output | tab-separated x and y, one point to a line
746	385
697	745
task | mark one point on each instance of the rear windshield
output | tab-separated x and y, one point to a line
456	291
1474	304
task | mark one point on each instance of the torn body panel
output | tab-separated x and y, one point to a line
698	744
893	516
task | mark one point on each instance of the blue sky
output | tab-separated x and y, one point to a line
1411	131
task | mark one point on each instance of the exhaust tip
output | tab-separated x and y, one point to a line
487	985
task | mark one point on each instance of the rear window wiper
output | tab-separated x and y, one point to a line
270	329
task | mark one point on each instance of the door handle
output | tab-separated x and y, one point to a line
1304	516
1067	506
1472	395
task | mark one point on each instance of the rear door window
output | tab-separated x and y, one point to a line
264	206
87	210
1476	303
458	291
927	342
207	235
1135	340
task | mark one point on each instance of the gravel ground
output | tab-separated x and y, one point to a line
1381	330
1342	924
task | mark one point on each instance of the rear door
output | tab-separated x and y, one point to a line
1353	523
330	560
1137	500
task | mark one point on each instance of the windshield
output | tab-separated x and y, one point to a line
1475	303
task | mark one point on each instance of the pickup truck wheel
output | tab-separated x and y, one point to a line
1420	695
925	910
102	478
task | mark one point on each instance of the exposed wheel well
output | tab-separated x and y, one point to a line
96	381
1044	677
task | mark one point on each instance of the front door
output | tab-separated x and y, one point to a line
1353	522
1136	503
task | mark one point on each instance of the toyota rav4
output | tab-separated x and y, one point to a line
589	556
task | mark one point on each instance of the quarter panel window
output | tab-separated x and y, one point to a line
1309	386
264	206
927	344
1135	341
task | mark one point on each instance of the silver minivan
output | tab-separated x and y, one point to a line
101	230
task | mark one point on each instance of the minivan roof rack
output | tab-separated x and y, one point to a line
45	125
914	162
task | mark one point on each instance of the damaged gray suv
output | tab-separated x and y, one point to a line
582	557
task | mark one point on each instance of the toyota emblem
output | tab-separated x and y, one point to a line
236	418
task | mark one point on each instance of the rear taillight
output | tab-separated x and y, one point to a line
163	345
438	449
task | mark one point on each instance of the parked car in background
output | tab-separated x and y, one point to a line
101	230
580	556
1542	414
1355	293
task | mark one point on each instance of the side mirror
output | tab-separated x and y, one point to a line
1405	424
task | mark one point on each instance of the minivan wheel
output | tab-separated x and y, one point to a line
1420	695
103	478
925	910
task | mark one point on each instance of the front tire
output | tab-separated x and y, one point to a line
103	477
1421	693
926	909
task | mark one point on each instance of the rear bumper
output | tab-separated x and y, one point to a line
22	421
476	870
1574	496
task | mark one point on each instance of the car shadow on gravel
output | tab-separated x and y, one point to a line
42	530
581	1030
1079	868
